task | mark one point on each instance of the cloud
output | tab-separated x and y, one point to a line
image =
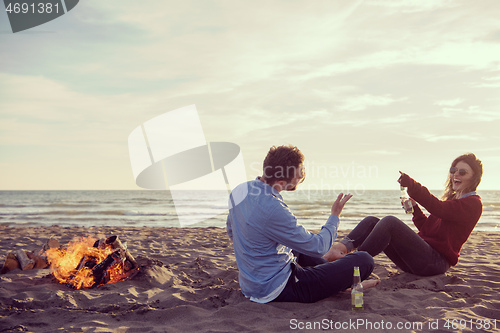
468	114
362	102
487	82
467	54
42	112
384	152
411	6
449	102
461	137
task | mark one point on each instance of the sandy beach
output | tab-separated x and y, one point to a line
193	287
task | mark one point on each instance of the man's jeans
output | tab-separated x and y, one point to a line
314	279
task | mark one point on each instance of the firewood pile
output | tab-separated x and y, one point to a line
26	260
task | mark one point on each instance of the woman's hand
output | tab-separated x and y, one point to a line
339	204
413	202
404	180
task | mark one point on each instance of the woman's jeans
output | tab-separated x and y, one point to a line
314	279
399	242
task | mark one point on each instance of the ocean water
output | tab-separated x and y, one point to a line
156	208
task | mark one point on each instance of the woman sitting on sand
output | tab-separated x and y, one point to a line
441	235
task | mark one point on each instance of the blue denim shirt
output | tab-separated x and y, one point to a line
264	231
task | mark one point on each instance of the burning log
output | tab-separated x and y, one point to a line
100	271
77	279
100	244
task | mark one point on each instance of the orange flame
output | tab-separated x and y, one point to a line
68	265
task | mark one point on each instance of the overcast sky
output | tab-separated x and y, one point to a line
363	88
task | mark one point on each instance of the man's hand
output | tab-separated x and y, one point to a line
338	205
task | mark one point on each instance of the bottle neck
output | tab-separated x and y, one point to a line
357	278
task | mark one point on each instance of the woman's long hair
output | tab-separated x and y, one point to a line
477	168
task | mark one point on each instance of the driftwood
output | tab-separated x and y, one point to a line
40	262
117	244
10	263
40	259
24	262
51	244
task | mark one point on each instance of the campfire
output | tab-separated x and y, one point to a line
83	263
90	262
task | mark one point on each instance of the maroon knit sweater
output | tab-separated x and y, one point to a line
450	222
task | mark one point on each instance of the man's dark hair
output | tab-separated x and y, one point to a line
281	163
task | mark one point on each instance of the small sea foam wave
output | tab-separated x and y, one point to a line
72	205
491	207
14	205
83	212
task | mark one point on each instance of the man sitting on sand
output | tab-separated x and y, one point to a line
278	259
